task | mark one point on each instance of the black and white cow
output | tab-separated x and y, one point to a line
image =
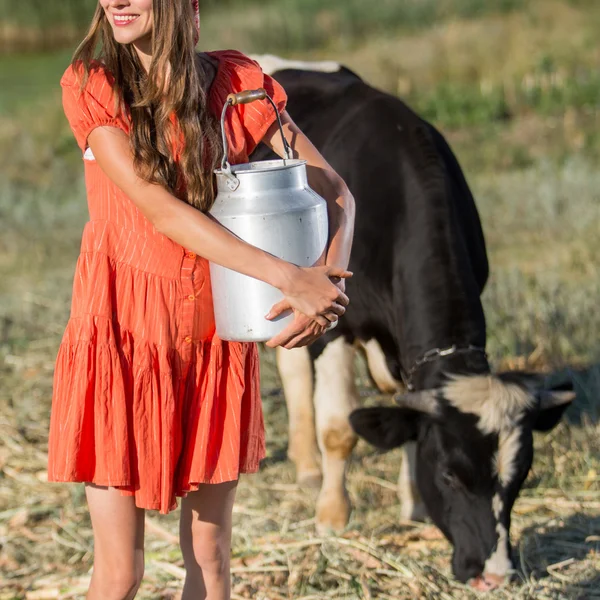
420	265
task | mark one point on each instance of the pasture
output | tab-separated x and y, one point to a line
514	86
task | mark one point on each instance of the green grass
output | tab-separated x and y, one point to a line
284	25
480	63
28	79
462	105
301	25
47	13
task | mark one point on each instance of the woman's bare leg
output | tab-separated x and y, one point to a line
205	538
118	526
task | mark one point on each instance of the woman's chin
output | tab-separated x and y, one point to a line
124	40
128	37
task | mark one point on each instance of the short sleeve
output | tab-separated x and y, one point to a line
92	107
246	124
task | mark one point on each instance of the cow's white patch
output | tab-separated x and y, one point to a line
499	562
497	506
497	404
378	367
412	507
271	64
88	154
509	445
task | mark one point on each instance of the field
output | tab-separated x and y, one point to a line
514	86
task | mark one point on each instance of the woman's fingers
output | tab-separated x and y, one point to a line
339	272
295	328
308	336
336	309
342	299
301	331
301	341
283	337
335	276
322	320
278	309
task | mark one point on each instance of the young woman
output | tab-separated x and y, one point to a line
148	403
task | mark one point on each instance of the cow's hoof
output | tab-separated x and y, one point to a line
309	479
409	511
333	513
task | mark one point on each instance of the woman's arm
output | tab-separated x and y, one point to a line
309	291
340	211
326	182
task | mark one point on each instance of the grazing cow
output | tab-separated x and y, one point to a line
420	265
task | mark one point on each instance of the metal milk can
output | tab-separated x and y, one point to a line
269	205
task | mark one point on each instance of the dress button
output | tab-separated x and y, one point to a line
191	255
188	340
191	297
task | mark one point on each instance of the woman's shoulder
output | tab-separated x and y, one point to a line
234	72
99	83
247	123
231	59
235	69
89	101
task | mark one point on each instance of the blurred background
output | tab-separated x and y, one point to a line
515	87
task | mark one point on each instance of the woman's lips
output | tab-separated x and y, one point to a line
124	20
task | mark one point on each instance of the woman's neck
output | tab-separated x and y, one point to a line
143	47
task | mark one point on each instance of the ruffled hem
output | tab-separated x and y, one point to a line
135	416
127	489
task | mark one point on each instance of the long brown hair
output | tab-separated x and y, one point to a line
173	85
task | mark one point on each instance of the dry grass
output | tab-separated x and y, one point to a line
45	531
47	538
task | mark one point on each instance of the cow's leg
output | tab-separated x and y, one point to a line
335	398
295	370
412	507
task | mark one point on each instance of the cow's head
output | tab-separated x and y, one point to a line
474	449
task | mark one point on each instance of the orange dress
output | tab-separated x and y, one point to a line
146	397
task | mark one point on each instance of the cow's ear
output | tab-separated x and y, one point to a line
553	404
386	427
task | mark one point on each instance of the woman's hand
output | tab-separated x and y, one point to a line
317	303
302	331
310	291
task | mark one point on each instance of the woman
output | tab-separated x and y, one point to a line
148	403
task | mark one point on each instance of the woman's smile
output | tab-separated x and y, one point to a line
131	22
122	20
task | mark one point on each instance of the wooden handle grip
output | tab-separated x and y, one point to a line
247	96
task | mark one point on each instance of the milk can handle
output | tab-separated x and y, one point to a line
246	97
